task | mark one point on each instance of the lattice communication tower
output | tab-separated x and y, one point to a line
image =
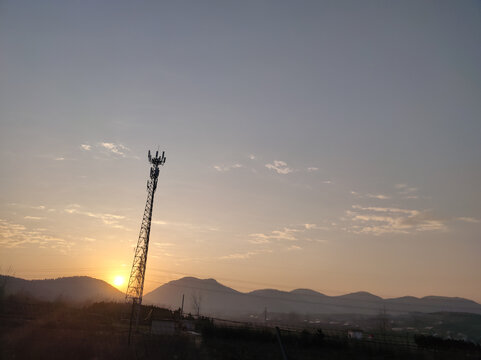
135	287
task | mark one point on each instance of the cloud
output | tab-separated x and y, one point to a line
33	217
222	168
315	227
59	159
259	239
469	220
404	189
246	255
327	182
293	247
378	196
186	226
110	149
159	222
280	167
370	196
164	244
111	220
286	234
239	256
383	220
34	207
117	149
15	235
386	209
311	169
252	157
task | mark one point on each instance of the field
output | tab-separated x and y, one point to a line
31	329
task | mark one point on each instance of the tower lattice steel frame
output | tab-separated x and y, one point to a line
135	287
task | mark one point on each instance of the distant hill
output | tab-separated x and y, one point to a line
219	300
215	298
77	288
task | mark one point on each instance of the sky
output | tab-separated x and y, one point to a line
331	145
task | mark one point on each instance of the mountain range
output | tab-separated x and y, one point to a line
216	299
76	289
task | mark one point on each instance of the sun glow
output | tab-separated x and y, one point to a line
118	280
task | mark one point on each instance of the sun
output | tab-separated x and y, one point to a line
118	280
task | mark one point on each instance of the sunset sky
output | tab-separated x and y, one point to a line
332	145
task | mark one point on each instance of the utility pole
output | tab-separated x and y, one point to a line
135	287
182	308
281	346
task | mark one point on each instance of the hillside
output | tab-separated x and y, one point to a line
217	299
77	288
214	297
220	300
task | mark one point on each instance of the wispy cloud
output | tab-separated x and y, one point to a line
245	255
164	244
370	196
280	167
28	217
111	220
382	220
117	149
386	209
108	149
186	226
252	157
16	235
404	189
315	227
469	220
59	159
378	196
293	248
224	168
34	207
286	234
312	168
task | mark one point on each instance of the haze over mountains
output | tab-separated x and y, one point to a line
77	289
218	300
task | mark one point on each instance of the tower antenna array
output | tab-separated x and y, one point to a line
137	274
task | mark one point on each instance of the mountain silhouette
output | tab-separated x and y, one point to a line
76	288
219	300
